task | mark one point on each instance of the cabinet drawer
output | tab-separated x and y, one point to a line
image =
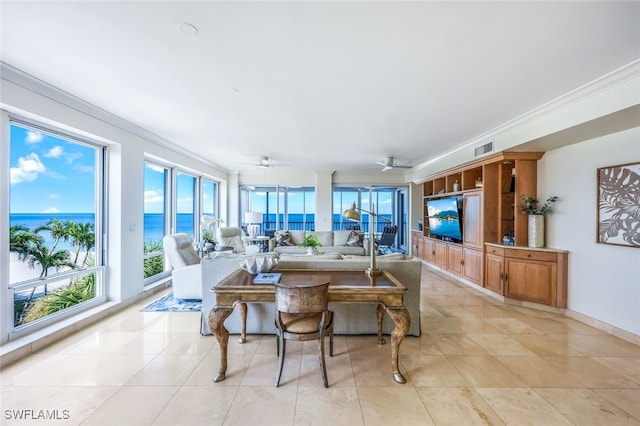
495	250
531	255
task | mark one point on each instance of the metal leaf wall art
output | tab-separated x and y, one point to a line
619	205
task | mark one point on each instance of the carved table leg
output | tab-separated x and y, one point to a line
216	324
402	320
243	319
380	314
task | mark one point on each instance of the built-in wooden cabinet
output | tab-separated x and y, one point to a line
416	243
455	262
535	275
472	215
494	269
465	262
472	262
491	190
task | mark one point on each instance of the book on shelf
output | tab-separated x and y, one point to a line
267	278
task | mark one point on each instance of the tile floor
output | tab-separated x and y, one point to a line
478	362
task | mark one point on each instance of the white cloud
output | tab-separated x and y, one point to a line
54	195
71	157
153	197
54	152
155	168
84	169
51	210
29	167
33	137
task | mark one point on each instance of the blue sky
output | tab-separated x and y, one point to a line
50	174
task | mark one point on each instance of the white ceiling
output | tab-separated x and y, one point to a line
319	85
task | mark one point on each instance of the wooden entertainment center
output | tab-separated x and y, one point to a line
490	189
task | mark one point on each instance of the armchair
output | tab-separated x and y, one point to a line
186	275
232	236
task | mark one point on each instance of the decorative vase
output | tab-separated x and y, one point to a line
536	230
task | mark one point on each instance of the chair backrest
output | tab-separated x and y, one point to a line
388	235
302	298
179	249
230	236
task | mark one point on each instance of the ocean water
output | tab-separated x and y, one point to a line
154	223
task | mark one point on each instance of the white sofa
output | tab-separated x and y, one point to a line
331	242
351	318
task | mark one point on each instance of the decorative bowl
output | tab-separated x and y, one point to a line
259	264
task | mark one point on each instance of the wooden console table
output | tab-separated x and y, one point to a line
346	286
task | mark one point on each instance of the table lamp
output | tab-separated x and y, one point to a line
251	218
352	214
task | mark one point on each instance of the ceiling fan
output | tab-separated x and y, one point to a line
390	164
266	163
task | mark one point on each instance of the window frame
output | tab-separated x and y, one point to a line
171	208
100	229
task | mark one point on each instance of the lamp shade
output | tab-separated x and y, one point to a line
252	217
351	213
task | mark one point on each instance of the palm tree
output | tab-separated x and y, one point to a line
39	253
59	231
82	236
21	238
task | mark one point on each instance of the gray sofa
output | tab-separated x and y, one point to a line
351	318
332	242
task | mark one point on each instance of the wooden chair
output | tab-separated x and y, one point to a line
302	314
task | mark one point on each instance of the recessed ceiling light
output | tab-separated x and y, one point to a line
188	29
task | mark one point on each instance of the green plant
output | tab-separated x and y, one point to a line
155	264
311	240
532	206
80	290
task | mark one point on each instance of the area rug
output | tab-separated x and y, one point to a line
168	303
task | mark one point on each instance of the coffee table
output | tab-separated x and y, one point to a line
354	286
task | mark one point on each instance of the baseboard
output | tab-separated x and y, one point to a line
585	319
603	326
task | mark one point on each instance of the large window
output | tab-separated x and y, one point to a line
186	196
282	207
387	202
157	180
172	208
55	219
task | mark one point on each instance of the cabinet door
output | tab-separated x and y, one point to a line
494	272
531	280
440	254
454	259
415	244
472	265
428	250
472	219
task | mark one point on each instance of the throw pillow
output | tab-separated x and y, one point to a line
282	238
356	239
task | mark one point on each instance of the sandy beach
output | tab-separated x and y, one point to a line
20	271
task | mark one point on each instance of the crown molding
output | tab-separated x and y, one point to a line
599	85
33	84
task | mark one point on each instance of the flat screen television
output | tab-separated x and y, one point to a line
445	218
